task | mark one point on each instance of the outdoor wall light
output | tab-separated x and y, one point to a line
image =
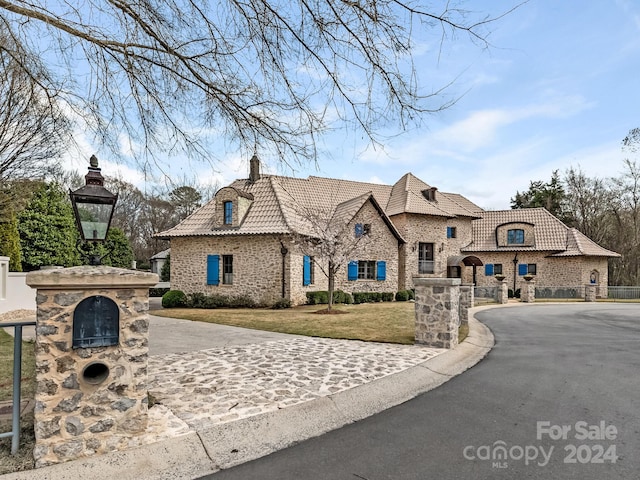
93	207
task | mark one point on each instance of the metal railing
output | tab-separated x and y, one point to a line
561	292
14	434
623	293
485	294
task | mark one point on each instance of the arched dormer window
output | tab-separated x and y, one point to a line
231	207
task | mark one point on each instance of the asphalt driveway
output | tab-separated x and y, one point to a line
558	397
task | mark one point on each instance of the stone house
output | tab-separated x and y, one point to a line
251	239
531	241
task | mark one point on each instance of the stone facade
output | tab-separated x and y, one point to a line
550	271
416	229
258	263
257	266
89	400
436	305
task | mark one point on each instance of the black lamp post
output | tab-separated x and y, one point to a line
93	207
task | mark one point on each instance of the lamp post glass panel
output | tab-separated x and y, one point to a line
93	207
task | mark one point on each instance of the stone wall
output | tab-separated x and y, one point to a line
89	400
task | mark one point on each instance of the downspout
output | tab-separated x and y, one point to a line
515	272
283	251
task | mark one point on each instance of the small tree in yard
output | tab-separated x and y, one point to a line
330	240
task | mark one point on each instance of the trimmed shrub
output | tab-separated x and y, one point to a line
342	297
412	294
242	301
282	304
318	297
158	292
174	299
387	296
402	296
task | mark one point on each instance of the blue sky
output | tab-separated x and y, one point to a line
559	87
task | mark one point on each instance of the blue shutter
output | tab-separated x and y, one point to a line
306	270
381	270
213	269
488	269
448	232
359	230
352	271
522	269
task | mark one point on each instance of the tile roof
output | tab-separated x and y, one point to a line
280	204
551	235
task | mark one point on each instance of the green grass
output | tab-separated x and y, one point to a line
24	459
6	367
389	322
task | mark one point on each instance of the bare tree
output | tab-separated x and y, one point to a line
329	239
33	130
273	73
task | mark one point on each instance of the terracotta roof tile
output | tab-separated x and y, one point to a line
279	203
551	235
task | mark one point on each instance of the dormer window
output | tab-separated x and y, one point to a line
228	213
430	194
515	236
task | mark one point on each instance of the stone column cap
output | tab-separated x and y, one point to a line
437	282
101	276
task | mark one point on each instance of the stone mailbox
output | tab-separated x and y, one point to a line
91	360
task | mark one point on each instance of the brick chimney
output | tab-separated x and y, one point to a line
254	169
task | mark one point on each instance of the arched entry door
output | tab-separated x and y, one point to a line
455	264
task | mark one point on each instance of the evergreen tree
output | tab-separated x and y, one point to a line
119	249
47	230
165	271
10	242
550	195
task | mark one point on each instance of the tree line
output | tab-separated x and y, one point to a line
607	210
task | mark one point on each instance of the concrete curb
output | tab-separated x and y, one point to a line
223	446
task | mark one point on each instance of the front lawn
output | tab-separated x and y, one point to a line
390	322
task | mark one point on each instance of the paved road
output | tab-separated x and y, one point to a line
565	370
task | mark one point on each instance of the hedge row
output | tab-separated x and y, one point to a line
321	297
177	298
158	292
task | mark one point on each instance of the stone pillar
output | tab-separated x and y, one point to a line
528	291
436	305
91	394
503	292
466	302
590	292
4	275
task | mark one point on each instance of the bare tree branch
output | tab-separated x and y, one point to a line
173	74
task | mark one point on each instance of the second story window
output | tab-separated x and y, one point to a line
228	213
515	237
451	232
